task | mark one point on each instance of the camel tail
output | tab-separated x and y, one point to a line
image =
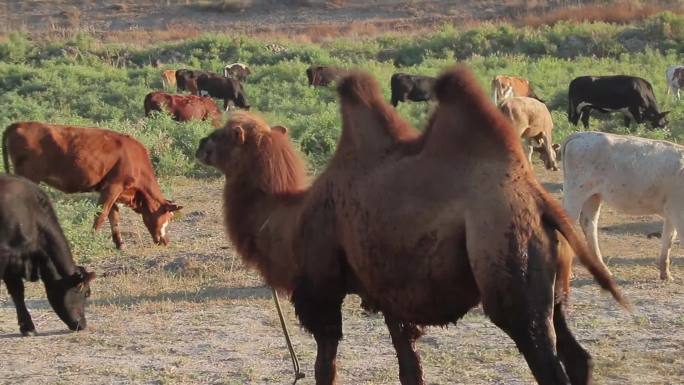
5	153
554	214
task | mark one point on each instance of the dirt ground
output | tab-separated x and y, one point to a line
228	15
191	314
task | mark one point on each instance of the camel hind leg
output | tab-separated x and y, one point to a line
516	280
577	361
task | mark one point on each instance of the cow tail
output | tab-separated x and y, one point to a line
552	213
5	153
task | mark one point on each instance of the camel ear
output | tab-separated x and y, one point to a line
239	134
282	129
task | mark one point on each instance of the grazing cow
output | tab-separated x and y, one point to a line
629	94
32	246
168	79
228	89
186	79
324	75
238	71
633	175
532	122
506	86
411	87
675	79
183	107
423	255
79	159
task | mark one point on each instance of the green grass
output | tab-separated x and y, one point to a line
80	81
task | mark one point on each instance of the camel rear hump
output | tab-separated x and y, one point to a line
467	119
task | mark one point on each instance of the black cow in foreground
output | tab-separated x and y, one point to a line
411	87
629	94
228	89
32	246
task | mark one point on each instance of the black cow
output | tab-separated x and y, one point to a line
33	246
220	87
186	77
324	75
411	87
629	94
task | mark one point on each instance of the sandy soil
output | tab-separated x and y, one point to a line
191	314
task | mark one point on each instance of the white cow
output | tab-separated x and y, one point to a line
636	176
675	79
238	71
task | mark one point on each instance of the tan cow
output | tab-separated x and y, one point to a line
168	79
532	122
506	86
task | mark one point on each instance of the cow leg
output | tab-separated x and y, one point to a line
404	337
636	115
114	217
15	286
108	197
577	361
584	116
589	222
669	232
320	312
529	149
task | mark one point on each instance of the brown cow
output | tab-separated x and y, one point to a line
168	79
532	122
183	107
79	159
506	86
324	75
423	255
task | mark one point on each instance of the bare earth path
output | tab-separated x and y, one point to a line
191	314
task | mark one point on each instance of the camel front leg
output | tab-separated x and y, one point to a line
404	337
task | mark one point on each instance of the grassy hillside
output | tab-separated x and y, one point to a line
83	81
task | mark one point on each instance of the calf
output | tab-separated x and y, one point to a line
183	107
79	159
532	122
237	71
506	86
168	79
324	75
629	94
32	246
675	79
633	175
186	80
228	89
411	87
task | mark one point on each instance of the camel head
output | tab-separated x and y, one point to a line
248	149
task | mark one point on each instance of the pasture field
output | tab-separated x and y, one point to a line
191	313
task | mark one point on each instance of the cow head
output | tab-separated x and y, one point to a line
659	120
67	296
158	220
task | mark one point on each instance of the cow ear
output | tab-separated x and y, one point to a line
282	129
239	134
171	206
663	114
555	146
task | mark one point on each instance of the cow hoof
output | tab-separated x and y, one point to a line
666	277
120	246
29	333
